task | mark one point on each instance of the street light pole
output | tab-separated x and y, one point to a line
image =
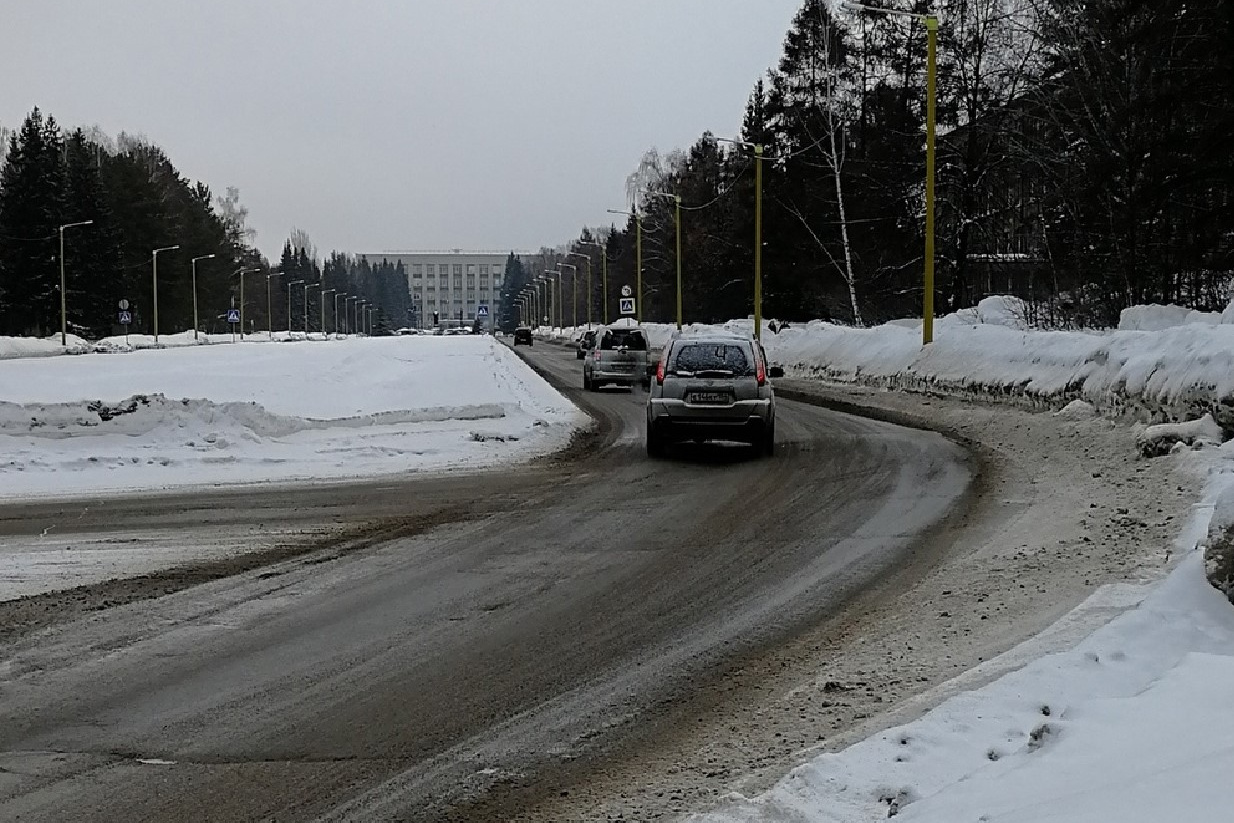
269	303
155	258
323	310
289	285
638	266
194	265
931	25
676	198
591	294
337	295
242	272
758	243
64	322
554	301
574	293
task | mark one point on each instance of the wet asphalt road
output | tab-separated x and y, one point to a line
490	637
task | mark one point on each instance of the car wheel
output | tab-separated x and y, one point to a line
768	446
655	442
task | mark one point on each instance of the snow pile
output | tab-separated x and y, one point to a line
1176	374
1155	317
255	412
1163	437
1131	725
16	347
1076	410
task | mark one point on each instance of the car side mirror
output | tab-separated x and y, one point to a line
775	371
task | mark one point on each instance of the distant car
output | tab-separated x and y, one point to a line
522	336
406	331
619	356
585	344
712	388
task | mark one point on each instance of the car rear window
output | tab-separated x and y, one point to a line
630	338
702	357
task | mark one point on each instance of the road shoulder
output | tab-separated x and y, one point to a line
1065	508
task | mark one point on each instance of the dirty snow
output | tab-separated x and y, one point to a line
1132	724
261	411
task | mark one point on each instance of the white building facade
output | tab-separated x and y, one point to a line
453	284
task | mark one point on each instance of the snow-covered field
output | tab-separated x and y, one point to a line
260	411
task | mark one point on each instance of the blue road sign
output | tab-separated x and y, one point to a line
125	318
482	311
233	315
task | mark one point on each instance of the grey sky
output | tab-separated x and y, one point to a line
380	124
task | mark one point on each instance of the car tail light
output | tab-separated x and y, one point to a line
760	373
596	355
660	372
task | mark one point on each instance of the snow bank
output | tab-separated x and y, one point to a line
256	412
1163	437
15	347
1155	317
1179	373
1131	725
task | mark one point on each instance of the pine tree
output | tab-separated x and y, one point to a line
32	208
94	282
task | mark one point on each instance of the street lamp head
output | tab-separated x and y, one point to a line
203	257
295	282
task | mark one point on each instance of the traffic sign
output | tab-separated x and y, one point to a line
626	305
233	315
125	317
124	305
482	311
626	291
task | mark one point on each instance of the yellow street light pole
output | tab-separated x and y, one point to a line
758	243
638	267
676	198
931	25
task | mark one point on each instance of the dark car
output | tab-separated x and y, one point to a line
585	344
523	335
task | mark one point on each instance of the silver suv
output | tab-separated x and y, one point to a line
619	355
712	388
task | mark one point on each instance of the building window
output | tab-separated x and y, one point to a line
458	269
416	269
471	268
484	270
430	270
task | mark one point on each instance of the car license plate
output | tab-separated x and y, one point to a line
711	397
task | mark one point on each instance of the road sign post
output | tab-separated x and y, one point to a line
626	306
126	319
233	317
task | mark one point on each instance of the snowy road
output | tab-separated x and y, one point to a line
422	645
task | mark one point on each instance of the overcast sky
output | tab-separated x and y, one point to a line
397	124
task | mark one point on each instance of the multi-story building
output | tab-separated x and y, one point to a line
451	284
